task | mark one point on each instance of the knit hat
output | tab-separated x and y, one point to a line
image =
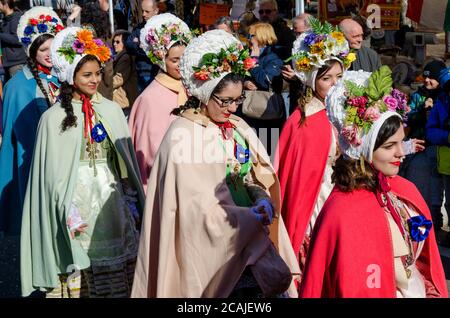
315	47
36	22
160	33
70	46
209	58
358	106
433	69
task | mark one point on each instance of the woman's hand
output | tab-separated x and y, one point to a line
288	72
419	145
428	103
250	86
263	211
80	229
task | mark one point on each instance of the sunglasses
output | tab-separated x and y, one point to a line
265	11
227	102
116	42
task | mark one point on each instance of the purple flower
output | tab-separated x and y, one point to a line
390	102
310	39
78	46
351	133
400	97
29	30
98	42
42	27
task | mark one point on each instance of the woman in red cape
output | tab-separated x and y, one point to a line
373	237
307	148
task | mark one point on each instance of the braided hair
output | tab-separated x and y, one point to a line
194	102
32	63
66	95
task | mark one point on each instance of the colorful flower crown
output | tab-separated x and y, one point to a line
364	105
234	59
45	24
83	43
159	40
319	44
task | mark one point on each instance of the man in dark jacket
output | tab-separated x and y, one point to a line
146	71
268	12
14	56
366	58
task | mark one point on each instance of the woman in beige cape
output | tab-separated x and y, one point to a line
211	224
151	113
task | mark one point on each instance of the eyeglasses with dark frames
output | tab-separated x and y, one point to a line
227	102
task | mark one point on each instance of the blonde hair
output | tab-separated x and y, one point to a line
264	33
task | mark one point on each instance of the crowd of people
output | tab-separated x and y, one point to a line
159	162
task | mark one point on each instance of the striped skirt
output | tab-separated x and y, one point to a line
113	281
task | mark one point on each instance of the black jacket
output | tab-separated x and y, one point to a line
12	49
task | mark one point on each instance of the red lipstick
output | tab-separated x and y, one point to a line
396	163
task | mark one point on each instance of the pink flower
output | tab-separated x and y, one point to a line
166	39
351	133
390	102
371	114
359	102
249	63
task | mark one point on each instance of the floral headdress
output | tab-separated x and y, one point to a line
36	22
160	33
360	104
70	46
233	58
209	58
314	47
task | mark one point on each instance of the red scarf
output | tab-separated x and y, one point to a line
43	69
88	114
226	128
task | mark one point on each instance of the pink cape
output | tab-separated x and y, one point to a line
351	247
300	164
149	120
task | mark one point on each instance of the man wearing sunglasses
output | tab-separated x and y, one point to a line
268	12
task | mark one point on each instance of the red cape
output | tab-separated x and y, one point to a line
300	164
352	235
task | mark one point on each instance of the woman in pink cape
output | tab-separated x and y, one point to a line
308	147
373	237
164	38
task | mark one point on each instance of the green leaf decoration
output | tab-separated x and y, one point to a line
319	28
68	53
354	89
380	83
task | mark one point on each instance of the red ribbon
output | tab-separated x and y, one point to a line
226	128
88	114
43	69
383	188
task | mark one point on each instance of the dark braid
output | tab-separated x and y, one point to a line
192	102
33	68
66	96
32	64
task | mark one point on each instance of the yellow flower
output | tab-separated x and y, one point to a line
303	64
318	48
338	36
351	57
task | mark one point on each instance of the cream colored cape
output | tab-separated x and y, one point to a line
195	241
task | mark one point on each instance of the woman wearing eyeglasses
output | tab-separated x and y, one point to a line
213	196
164	38
124	78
